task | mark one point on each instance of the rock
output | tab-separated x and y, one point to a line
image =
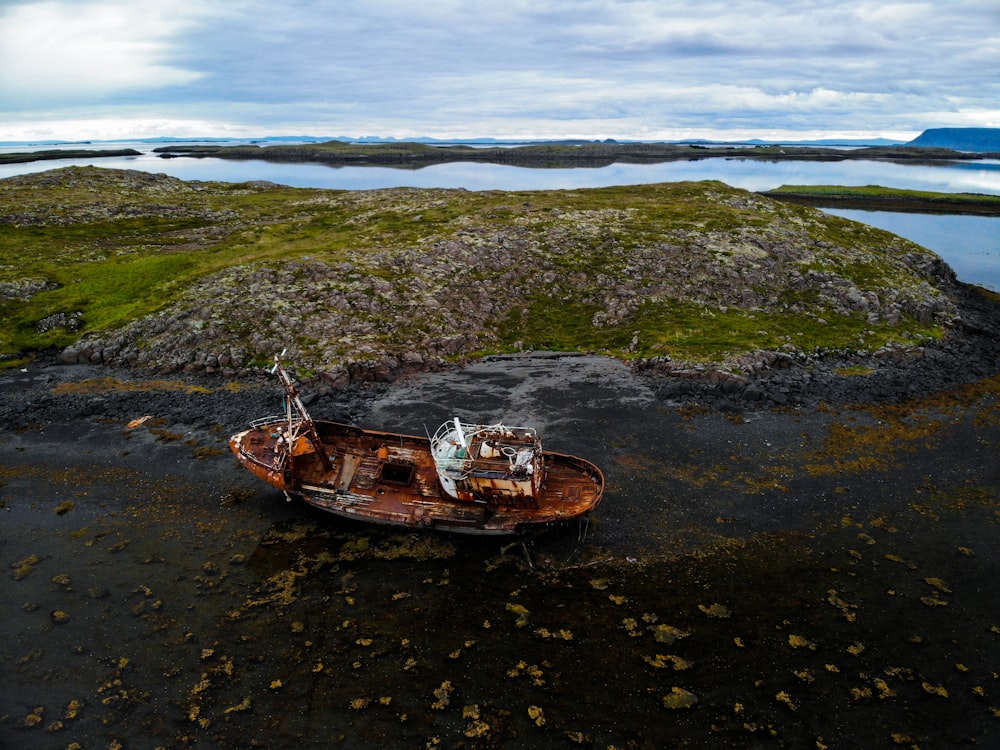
777	397
733	384
339	378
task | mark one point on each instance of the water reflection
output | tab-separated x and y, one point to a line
750	174
969	244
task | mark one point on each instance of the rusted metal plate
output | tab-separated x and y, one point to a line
354	481
476	479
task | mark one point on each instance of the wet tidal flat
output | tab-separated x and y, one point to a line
769	579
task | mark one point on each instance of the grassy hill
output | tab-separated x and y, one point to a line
147	270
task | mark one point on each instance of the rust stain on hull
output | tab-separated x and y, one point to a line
392	479
472	479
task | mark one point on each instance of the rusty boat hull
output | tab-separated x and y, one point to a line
395	479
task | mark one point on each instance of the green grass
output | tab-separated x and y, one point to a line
691	332
878	191
116	270
109	293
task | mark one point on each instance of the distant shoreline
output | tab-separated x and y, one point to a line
876	198
540	155
51	154
597	155
555	155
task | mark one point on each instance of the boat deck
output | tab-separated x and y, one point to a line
391	478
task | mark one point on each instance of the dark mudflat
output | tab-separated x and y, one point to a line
812	575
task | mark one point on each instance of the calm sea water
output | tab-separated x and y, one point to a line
970	244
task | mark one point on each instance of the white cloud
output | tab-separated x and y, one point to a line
117	128
538	68
65	51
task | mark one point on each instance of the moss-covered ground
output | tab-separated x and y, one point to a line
630	271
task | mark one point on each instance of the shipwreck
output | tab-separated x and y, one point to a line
466	478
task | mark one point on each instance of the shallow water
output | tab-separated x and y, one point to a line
969	244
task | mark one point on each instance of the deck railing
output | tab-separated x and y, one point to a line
280	419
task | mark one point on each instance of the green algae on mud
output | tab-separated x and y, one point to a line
306	629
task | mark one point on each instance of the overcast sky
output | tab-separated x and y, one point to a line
639	69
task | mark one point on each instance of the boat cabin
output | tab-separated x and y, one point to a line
492	464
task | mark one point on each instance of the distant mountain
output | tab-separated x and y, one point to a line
960	139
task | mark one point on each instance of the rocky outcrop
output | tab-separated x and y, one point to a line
450	298
891	373
395	281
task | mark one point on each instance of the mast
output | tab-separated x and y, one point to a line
306	426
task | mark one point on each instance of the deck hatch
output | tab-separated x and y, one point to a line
397	472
